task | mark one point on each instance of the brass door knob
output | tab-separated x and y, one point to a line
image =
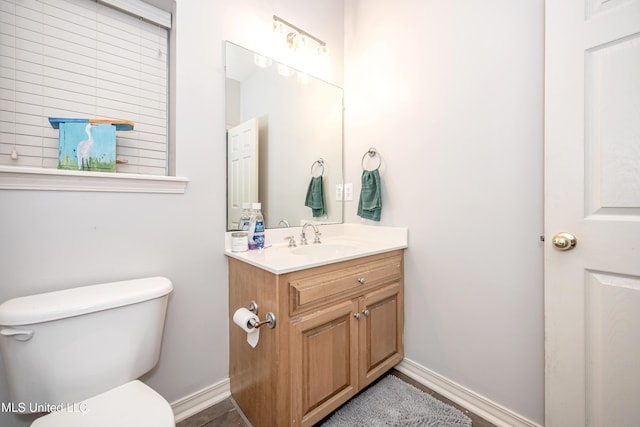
564	241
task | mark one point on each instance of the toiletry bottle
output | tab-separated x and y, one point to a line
245	217
252	228
258	233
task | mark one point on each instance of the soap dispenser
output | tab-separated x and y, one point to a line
245	217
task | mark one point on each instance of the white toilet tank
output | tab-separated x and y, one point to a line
65	346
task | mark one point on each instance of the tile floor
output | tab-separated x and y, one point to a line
227	414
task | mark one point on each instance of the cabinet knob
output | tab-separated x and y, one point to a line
361	280
356	315
365	312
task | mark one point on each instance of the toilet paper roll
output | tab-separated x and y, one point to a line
241	318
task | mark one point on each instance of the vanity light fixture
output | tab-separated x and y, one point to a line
297	39
262	61
285	71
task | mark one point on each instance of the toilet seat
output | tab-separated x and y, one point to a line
132	404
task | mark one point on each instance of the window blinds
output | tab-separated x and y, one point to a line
81	59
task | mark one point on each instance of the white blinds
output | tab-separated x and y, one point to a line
81	59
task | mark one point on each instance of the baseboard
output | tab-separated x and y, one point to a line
472	401
200	400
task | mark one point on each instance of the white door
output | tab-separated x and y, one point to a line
242	169
592	190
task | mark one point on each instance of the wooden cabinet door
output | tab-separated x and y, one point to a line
381	326
324	351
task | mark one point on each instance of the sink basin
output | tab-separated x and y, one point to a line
327	250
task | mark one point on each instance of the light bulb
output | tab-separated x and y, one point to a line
322	51
279	31
291	40
300	42
262	61
278	27
285	71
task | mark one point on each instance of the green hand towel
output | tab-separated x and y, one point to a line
315	197
370	204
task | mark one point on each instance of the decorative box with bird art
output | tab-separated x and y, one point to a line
88	144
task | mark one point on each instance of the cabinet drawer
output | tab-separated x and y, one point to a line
327	285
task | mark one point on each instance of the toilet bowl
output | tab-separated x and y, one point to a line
78	354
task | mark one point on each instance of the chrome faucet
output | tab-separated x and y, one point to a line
284	223
303	237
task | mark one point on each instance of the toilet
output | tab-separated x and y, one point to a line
78	353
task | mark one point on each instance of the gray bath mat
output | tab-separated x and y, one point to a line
393	402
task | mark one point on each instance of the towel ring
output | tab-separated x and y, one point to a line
319	163
372	153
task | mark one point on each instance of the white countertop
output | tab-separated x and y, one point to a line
341	242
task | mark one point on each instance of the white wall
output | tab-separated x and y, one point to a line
450	93
55	240
299	124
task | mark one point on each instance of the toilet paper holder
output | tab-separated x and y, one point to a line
270	320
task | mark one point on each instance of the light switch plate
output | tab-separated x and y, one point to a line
348	192
339	192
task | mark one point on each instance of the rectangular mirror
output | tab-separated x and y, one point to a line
283	128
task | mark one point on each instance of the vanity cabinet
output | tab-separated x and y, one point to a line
338	328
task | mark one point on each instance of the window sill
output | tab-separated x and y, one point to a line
28	178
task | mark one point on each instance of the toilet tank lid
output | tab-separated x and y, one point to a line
76	301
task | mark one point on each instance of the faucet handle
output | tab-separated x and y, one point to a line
292	241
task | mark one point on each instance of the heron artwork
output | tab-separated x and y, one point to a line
88	144
83	151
